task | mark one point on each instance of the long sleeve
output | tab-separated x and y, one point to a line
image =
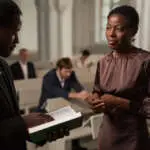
13	131
139	97
17	72
144	108
12	67
12	126
96	87
33	71
75	84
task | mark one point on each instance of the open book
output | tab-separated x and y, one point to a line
64	117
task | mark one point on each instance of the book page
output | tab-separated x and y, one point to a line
63	113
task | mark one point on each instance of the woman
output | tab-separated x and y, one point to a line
121	85
83	61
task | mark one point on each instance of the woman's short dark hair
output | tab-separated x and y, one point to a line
8	9
85	52
129	13
64	63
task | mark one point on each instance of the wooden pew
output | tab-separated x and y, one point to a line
28	84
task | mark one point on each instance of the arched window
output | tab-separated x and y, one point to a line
106	6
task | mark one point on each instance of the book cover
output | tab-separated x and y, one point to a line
65	118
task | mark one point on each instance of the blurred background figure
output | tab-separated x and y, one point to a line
23	69
84	61
59	82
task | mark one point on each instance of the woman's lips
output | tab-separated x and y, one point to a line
112	42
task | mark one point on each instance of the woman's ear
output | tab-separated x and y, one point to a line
134	31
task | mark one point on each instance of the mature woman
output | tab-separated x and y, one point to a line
121	85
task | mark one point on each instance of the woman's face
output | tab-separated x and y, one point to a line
118	33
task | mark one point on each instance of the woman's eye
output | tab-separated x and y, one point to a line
120	29
108	27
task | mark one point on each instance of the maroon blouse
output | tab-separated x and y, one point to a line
127	76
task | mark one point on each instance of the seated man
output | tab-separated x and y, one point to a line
58	83
23	69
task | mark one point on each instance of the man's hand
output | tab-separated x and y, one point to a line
96	104
83	95
34	119
93	96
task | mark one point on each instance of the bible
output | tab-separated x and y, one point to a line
65	117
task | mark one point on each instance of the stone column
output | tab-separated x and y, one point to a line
54	41
29	25
65	12
97	31
42	11
60	28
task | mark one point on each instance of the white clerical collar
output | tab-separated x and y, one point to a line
59	77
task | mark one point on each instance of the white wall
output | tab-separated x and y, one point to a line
28	33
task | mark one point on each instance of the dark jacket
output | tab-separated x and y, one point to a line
13	131
51	87
18	73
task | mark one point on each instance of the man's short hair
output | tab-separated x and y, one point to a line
64	63
8	9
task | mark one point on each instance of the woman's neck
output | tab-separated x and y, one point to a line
128	49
